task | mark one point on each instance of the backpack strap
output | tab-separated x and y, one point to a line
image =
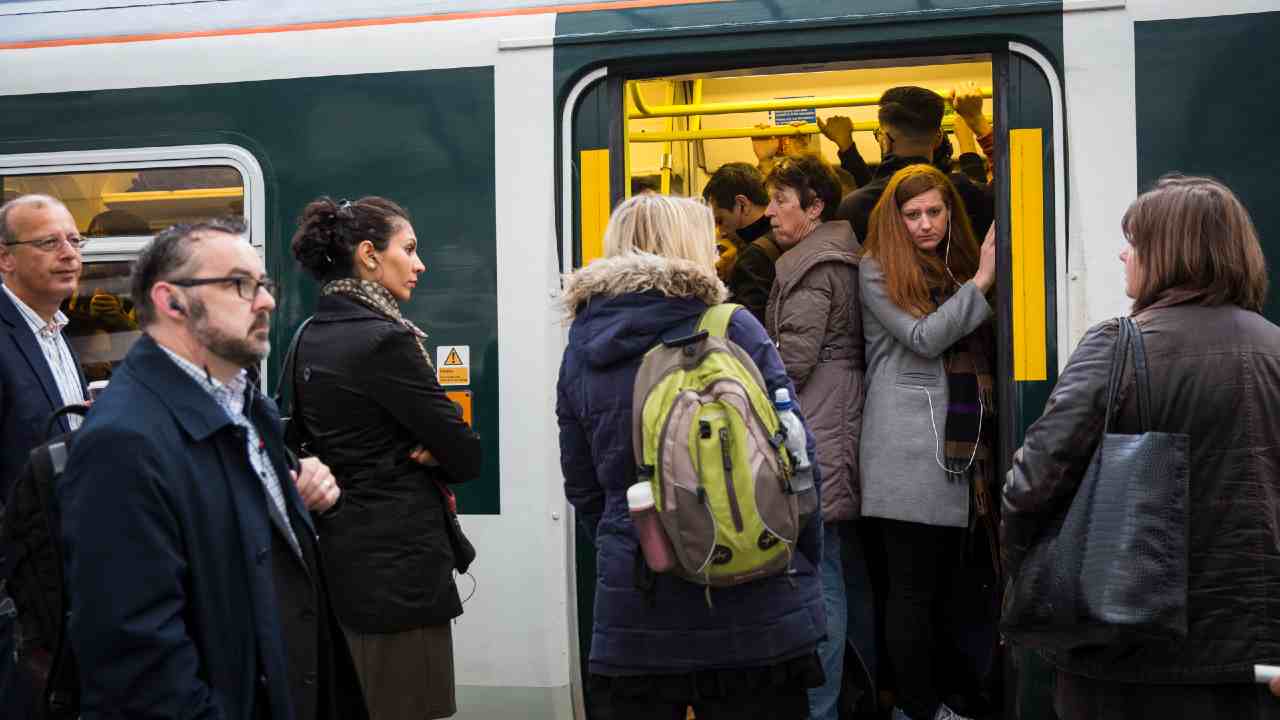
715	321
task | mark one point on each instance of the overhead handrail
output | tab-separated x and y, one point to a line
948	122
644	110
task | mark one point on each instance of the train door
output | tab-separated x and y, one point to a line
625	132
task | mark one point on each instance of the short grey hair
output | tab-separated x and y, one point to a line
35	200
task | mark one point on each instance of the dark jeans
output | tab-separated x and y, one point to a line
918	558
15	691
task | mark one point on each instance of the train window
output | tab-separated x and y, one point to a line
102	323
137	202
120	199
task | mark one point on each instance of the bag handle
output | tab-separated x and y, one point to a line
1118	355
1129	344
50	427
1141	377
288	375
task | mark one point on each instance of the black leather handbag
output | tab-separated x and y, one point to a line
1112	570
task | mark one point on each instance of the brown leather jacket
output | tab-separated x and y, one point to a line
1215	375
815	318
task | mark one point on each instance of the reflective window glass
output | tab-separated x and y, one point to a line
102	323
141	202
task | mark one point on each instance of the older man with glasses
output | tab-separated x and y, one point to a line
39	373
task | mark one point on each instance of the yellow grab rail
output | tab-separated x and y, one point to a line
644	110
948	123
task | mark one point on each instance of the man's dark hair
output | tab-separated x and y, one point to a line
167	255
911	110
732	180
812	178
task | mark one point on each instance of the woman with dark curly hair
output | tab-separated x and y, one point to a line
373	411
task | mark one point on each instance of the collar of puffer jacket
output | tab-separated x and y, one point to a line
639	273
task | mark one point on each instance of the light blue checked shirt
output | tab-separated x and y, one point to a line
62	364
230	396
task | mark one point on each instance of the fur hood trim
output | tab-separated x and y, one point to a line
641	272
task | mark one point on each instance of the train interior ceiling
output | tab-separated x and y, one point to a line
677	154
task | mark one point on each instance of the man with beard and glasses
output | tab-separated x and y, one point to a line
39	373
191	561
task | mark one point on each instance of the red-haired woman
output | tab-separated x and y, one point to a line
929	407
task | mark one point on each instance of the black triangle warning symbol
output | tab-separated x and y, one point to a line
453	359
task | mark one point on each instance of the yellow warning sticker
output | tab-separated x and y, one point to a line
453	365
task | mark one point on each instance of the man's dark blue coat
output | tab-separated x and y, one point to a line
28	396
174	613
672	630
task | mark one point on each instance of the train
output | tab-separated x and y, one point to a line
509	128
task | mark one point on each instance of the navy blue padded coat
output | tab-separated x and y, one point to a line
623	306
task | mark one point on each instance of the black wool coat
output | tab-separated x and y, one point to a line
367	398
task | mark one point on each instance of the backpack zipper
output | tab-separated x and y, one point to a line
727	457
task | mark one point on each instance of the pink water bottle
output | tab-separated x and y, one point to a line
654	543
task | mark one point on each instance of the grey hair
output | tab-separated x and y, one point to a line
35	200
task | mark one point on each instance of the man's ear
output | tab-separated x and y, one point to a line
741	203
8	263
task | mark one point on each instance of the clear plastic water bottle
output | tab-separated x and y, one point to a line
802	481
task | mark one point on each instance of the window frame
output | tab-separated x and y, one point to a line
127	248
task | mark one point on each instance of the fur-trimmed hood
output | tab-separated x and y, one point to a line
622	306
640	273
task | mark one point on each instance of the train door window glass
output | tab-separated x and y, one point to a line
137	202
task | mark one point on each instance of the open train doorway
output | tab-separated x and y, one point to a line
670	133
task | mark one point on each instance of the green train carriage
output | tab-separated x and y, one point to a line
509	128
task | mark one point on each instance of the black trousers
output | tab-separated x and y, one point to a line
918	558
1082	698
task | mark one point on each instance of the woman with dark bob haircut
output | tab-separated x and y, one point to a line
1196	273
814	318
370	405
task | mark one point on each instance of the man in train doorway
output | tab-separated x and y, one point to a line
40	264
910	130
738	199
191	561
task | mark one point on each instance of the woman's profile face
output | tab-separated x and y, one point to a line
926	217
1129	256
398	264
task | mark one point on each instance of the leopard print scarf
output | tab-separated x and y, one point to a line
380	300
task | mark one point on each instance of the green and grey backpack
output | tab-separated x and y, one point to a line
710	442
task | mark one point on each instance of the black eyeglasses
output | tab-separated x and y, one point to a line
246	286
50	244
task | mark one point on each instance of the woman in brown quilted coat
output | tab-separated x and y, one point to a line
815	318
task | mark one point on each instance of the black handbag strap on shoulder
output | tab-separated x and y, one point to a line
1129	344
291	411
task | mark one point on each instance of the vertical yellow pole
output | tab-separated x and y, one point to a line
666	147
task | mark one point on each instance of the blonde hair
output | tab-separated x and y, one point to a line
663	225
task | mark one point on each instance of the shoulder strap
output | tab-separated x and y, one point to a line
287	374
715	321
1141	377
1119	356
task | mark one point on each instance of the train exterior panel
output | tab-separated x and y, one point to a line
479	117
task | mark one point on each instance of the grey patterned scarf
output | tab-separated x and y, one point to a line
380	300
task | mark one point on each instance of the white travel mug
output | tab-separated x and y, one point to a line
654	543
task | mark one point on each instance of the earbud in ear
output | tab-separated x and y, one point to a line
174	306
